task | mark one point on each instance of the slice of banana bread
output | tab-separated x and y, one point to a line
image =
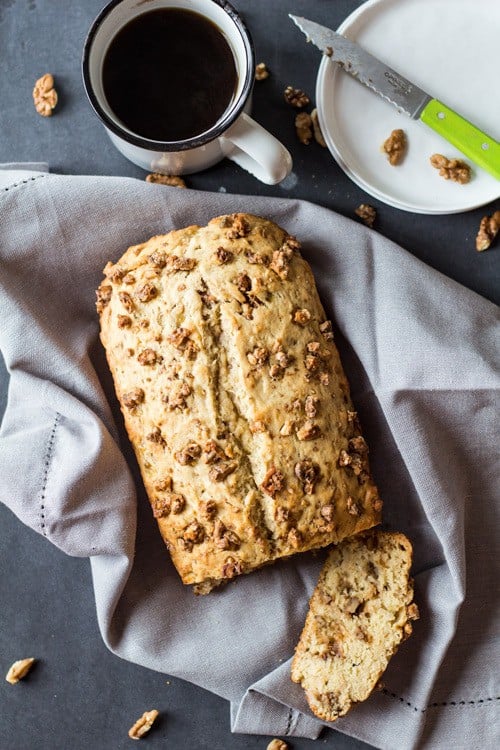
359	613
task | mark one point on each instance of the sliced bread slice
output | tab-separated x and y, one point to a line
359	613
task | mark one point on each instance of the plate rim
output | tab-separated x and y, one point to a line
380	195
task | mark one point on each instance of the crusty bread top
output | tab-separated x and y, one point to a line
359	613
234	397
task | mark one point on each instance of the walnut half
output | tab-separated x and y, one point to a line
143	725
488	230
367	214
45	95
19	670
395	147
455	170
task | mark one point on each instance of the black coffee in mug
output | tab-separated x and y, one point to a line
169	74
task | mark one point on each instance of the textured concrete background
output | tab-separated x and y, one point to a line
80	696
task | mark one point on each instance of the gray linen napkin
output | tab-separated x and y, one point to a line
420	353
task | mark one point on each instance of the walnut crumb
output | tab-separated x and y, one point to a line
294	538
143	725
311	406
277	744
19	670
225	538
126	301
395	147
318	135
239	227
166	179
328	512
45	95
114	272
156	437
488	230
194	533
308	431
231	568
220	471
188	455
209	509
258	357
223	256
301	317
326	330
367	214
273	482
146	292
412	611
455	170
103	297
352	507
308	473
304	128
161	506
261	72
133	398
148	357
296	97
124	321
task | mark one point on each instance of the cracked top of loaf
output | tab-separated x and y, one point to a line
234	397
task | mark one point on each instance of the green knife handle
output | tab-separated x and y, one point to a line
471	141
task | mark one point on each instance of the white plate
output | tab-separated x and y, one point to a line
451	48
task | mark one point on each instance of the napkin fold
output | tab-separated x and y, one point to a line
421	355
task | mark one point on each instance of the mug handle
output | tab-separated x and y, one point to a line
252	147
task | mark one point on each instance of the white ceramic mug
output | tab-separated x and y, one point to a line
235	135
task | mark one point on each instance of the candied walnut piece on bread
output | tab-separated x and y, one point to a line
232	389
359	613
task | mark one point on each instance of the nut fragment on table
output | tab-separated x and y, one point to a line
19	670
303	127
318	135
367	214
277	744
451	169
395	147
261	71
296	97
143	725
45	95
166	179
488	230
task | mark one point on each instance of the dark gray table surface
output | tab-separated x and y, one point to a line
79	695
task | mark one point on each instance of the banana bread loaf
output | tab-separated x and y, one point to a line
359	613
234	398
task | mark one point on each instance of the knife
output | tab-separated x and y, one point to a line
404	95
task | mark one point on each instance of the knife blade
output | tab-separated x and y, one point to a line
404	95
